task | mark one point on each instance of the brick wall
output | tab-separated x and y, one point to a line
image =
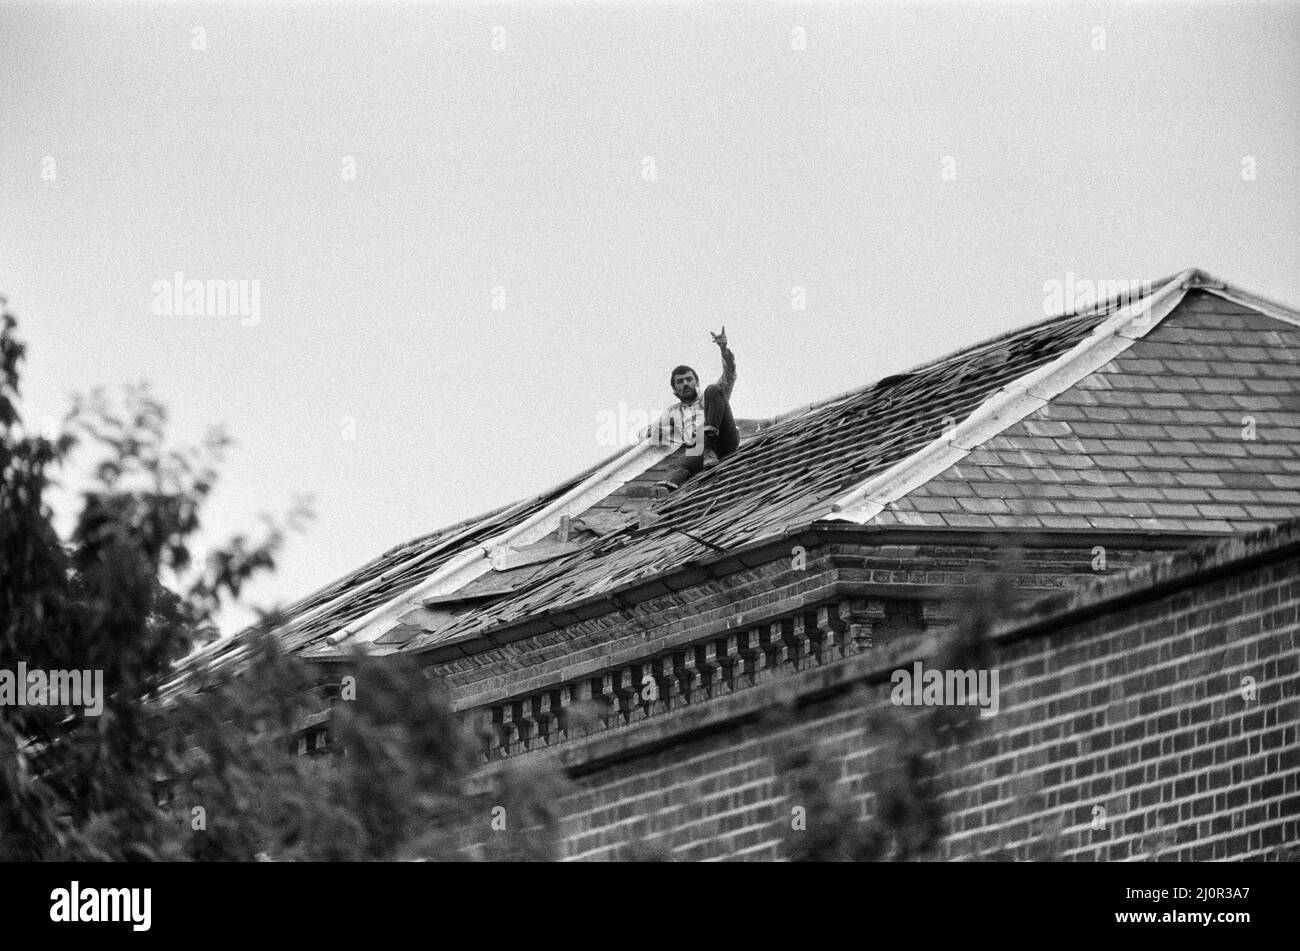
1125	696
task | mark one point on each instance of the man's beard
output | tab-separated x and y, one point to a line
689	394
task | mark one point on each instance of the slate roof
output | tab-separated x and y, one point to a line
1156	440
1077	463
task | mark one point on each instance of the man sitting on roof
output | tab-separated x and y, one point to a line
695	415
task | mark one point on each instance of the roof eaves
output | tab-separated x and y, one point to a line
775	546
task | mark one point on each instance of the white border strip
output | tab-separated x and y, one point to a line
1014	402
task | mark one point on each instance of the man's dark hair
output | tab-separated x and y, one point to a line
680	369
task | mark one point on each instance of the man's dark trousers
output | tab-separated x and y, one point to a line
720	434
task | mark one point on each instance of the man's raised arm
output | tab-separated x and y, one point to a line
728	379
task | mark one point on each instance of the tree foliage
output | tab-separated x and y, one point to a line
204	766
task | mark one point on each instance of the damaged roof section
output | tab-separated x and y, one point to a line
790	473
903	451
389	576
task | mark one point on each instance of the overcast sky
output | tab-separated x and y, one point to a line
476	228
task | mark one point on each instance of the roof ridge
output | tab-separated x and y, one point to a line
1098	309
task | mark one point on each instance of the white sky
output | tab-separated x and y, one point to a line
521	168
